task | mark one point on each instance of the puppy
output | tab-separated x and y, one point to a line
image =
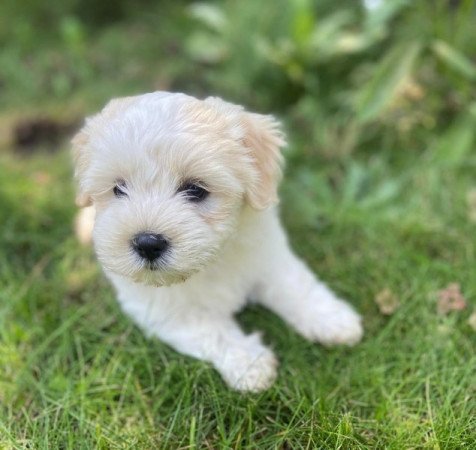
187	229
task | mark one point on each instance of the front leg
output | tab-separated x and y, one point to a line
292	291
192	321
243	361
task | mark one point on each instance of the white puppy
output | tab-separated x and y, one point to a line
187	229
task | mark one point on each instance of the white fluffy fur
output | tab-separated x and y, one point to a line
226	250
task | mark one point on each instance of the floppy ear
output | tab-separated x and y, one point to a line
81	162
80	142
263	138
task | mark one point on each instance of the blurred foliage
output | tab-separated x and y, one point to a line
51	52
349	75
352	79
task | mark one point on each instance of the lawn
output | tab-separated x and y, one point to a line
378	198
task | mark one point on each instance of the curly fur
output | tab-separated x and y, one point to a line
224	251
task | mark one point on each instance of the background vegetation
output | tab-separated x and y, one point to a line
379	101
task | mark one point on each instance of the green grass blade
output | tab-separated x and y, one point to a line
454	59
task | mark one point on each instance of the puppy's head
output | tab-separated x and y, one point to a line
169	176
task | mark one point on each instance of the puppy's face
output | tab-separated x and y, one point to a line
169	176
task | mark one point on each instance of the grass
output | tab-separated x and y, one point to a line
76	373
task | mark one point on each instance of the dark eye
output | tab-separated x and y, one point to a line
194	192
119	189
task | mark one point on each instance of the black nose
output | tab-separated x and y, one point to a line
149	246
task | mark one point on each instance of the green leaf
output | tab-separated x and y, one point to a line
302	22
330	29
377	19
206	48
456	143
388	76
454	59
354	183
210	15
382	194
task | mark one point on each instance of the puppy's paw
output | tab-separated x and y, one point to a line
250	371
332	322
253	375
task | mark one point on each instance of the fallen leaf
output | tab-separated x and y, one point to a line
450	299
42	178
387	302
472	321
